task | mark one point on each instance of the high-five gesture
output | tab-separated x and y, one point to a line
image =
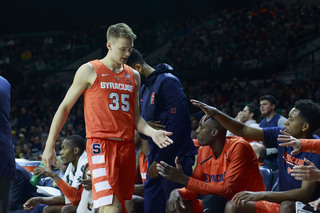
289	140
208	110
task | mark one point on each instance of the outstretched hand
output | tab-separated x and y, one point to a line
208	110
161	138
288	140
175	174
306	173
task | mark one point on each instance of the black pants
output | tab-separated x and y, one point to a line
4	194
213	204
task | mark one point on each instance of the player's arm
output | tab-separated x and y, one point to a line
299	145
302	194
176	174
80	83
35	201
234	126
158	136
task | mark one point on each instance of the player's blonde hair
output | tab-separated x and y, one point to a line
120	30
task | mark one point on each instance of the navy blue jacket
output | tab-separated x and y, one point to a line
7	160
286	160
162	99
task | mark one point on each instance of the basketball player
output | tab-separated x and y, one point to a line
303	121
225	166
111	109
162	99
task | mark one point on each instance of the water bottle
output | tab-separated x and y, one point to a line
34	180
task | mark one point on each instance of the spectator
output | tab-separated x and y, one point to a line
271	118
249	116
268	110
18	153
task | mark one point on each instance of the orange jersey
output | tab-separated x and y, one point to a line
143	167
235	170
109	103
310	145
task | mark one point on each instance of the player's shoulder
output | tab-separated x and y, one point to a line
86	69
204	152
236	141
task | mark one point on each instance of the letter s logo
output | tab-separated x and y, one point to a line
96	148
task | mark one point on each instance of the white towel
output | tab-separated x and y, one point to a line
86	202
73	178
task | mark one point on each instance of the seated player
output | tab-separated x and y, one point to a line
225	166
308	172
72	153
303	121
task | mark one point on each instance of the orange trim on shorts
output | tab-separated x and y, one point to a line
266	207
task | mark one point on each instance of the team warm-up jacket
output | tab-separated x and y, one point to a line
162	99
286	160
7	162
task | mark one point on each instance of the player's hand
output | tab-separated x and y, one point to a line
175	174
156	125
315	204
153	172
42	171
241	198
31	203
208	110
49	157
288	140
87	183
306	173
161	138
174	202
240	117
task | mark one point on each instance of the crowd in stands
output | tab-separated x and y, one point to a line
242	42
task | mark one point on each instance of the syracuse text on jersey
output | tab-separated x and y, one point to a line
117	86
